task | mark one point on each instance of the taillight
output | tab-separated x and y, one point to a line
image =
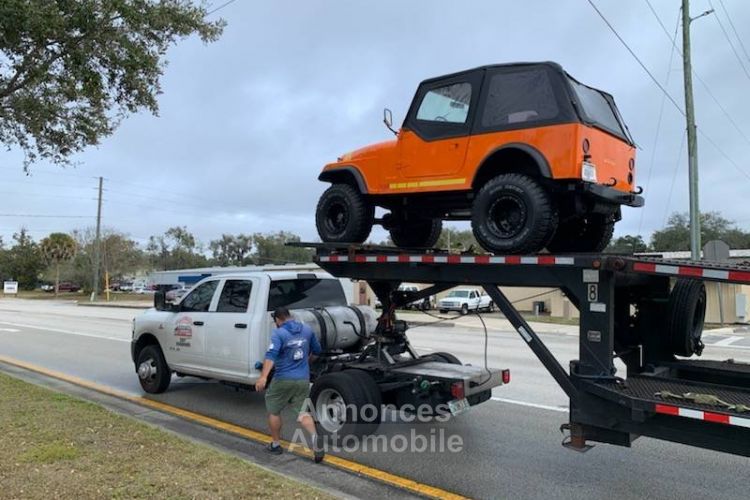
586	146
506	376
457	390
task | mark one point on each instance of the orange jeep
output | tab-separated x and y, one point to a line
534	158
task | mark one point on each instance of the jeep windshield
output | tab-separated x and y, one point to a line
599	110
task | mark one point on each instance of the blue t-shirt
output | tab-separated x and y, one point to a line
291	345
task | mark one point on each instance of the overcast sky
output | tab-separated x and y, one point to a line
246	123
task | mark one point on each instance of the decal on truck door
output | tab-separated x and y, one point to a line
183	330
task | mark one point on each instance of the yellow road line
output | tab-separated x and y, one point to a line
432	183
338	462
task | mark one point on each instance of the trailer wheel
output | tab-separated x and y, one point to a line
344	403
583	234
513	213
686	313
445	357
343	215
416	232
153	372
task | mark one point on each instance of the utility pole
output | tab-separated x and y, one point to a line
692	140
97	243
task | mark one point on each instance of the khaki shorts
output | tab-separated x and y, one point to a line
287	394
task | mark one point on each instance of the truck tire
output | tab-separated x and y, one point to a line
686	313
340	399
416	233
343	215
445	357
513	214
464	309
583	234
153	372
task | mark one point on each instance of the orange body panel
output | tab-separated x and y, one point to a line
412	165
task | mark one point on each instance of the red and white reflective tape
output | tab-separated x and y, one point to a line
706	416
540	260
694	272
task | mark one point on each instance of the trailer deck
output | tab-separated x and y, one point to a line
622	302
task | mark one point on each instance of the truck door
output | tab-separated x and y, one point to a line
433	142
228	337
189	325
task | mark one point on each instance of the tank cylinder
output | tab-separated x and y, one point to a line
339	327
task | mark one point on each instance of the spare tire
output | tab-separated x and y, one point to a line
686	314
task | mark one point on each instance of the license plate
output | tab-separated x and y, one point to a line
458	406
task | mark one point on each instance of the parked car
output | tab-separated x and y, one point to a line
67	286
126	286
47	287
176	293
465	300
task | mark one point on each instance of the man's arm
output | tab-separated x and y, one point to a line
260	385
271	355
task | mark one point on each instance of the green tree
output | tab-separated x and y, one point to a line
70	71
177	248
457	240
56	249
23	261
627	244
120	257
271	249
676	235
231	250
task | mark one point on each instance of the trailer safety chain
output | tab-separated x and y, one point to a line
703	399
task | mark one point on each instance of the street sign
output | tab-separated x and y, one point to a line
10	287
716	251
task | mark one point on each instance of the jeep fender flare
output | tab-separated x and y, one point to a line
346	174
536	163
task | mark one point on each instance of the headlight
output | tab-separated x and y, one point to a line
588	172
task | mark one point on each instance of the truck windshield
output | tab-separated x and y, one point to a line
305	293
458	293
599	109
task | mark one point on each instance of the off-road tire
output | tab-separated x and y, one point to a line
416	233
343	215
159	381
686	314
591	233
512	214
356	392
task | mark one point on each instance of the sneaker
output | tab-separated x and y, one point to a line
319	449
274	450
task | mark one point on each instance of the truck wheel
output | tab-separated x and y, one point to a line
686	313
345	402
464	310
583	234
343	215
444	356
153	372
416	233
513	213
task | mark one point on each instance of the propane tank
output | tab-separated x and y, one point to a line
339	327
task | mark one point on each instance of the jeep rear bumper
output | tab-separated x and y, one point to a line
606	194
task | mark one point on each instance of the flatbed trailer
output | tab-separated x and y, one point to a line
627	311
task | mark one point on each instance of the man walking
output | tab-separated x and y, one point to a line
293	344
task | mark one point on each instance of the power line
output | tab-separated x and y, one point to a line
638	60
697	76
50	216
219	7
742	45
729	40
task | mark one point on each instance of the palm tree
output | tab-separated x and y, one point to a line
57	248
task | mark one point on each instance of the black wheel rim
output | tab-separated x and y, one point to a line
336	217
507	216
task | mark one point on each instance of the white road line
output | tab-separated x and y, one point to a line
11	330
531	405
67	332
727	341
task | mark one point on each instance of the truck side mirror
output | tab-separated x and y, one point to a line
160	300
388	120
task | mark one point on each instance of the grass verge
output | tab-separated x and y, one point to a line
56	446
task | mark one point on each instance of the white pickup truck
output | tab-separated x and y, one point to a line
465	300
221	329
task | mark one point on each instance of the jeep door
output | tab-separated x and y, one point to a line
433	142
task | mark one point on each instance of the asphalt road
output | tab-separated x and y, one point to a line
511	444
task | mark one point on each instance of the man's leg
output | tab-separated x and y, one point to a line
306	420
274	423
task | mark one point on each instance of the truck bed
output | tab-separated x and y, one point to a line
476	379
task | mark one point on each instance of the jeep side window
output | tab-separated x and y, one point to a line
235	296
200	298
517	97
446	104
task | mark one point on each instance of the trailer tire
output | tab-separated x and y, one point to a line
583	234
153	372
339	399
513	213
445	357
416	233
343	215
686	314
